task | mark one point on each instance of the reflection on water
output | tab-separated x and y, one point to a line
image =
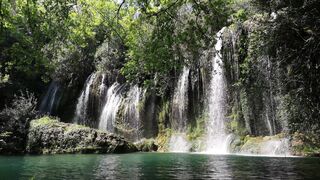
157	166
107	168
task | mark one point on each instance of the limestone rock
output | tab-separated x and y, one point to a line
49	136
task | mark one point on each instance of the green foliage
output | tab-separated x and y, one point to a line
240	16
235	125
4	79
174	34
198	130
41	40
59	39
163	116
14	122
44	121
147	145
292	43
305	144
163	139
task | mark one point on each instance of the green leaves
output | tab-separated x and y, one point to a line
163	36
157	36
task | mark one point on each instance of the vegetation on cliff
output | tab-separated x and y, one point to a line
271	56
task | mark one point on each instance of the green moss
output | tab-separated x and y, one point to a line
253	144
5	134
147	145
44	121
305	145
163	139
163	115
198	131
75	127
240	16
52	122
142	103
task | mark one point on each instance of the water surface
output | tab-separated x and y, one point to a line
157	166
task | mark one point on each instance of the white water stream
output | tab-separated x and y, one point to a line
82	105
110	109
216	140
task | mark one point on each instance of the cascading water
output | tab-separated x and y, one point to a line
102	92
51	100
178	142
82	105
180	102
266	146
260	107
269	105
216	137
132	111
110	109
102	86
278	147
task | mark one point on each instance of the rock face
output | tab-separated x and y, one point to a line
305	145
147	145
49	136
276	145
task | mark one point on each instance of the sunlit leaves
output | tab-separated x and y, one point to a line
169	34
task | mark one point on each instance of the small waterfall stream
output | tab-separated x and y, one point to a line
178	142
102	87
216	136
82	105
180	102
269	105
110	109
51	100
132	110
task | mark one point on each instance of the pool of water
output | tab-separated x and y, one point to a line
157	166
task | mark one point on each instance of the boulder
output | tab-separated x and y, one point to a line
147	145
49	136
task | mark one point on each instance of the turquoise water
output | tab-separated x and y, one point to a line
157	166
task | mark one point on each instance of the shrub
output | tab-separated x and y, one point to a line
14	122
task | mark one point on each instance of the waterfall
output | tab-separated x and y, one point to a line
180	102
179	143
82	105
270	110
216	136
51	100
102	86
276	147
132	111
102	92
266	146
110	109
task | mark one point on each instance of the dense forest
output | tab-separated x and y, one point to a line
159	52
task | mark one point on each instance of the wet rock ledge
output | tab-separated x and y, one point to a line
49	136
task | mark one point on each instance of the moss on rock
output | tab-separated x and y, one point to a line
267	145
147	145
49	136
305	145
